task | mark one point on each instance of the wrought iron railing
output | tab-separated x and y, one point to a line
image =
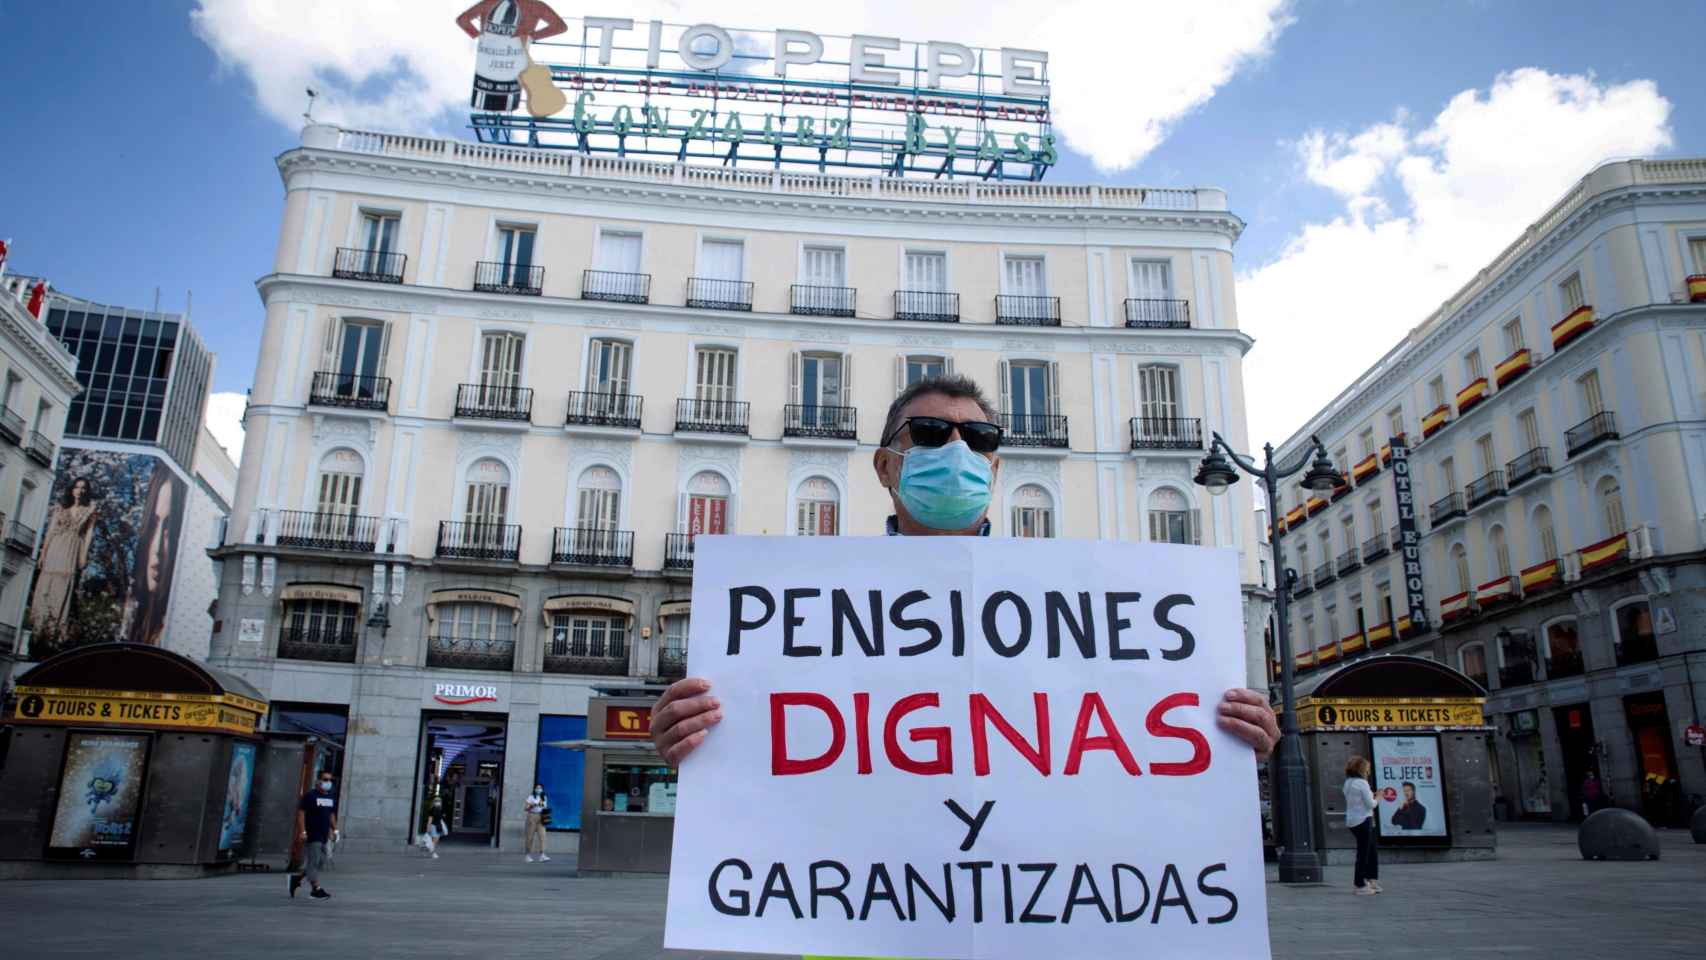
1375	547
1166	433
1565	663
513	278
712	416
328	645
1325	574
1027	311
1641	648
710	294
21	537
350	390
592	547
616	287
479	401
378	266
328	531
1349	560
810	301
1034	430
1485	488
678	551
1145	314
40	448
1531	464
470	653
1516	674
479	541
1305	584
672	662
596	656
1591	432
599	409
932	306
1448	507
11	425
820	420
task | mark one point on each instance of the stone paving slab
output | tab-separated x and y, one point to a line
1539	899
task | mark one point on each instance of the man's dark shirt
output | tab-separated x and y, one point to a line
317	810
1411	816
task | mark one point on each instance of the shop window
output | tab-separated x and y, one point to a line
1472	661
635	788
1032	512
1636	642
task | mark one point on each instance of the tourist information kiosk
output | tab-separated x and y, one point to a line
628	801
127	760
1420	724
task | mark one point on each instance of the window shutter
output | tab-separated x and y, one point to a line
681	513
384	348
899	375
794	377
329	352
847	379
1196	526
1054	388
1006	388
947	366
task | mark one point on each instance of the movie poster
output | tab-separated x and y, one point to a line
100	797
1409	792
234	816
109	547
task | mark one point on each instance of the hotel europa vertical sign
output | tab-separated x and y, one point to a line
1409	539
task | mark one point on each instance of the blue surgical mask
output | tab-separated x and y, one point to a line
325	786
946	487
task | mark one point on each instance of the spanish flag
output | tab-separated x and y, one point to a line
1380	634
1496	591
1306	660
1577	323
1353	643
1514	366
1327	653
1435	420
1315	505
1455	606
1404	626
1368	467
1697	288
1539	575
1469	396
1294	517
1605	551
1385	454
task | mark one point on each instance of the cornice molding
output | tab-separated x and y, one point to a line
32	339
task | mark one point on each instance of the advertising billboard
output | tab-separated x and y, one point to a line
109	546
100	797
561	770
1409	793
234	815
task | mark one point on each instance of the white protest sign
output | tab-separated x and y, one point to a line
967	748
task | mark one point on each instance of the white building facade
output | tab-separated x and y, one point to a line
1555	414
501	389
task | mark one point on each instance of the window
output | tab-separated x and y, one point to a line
1513	336
1545	537
1151	280
925	272
340	484
1636	641
1563	648
1436	393
1365	442
705	506
1570	292
823	267
1349	526
1611	507
1326	540
1472	366
672	653
378	233
1333	635
1484	451
714	375
1029	394
500	362
617	273
818	381
1395	421
1447	477
357	354
1593	403
481	625
599	500
1528	427
26	493
1171	518
1023	277
610	367
1383	603
515	254
722	260
1308	637
1341	462
1158	403
590	636
43	408
486	507
1460	560
328	622
1697	253
1500	553
1472	661
11	390
631	788
1377	522
818	509
910	370
1032	512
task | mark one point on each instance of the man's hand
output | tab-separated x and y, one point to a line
1243	713
681	718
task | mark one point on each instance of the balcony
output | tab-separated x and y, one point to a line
350	391
615	411
1166	433
810	301
1637	649
323	645
929	306
1565	663
469	653
1447	508
601	657
40	448
21	538
479	541
1486	488
346	532
615	287
1034	430
1590	433
672	662
374	266
511	278
592	547
709	294
11	425
678	553
1325	574
1305	585
479	401
1375	547
1534	463
1349	560
820	422
1142	314
1516	674
726	417
1027	311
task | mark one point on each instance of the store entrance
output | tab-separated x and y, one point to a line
461	772
1661	791
1576	742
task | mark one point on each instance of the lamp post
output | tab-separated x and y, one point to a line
1298	862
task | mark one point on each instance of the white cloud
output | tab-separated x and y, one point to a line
1122	73
225	422
1343	292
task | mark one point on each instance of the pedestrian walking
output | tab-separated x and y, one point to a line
1593	794
316	825
538	809
436	829
1359	817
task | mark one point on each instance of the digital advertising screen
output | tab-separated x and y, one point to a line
100	797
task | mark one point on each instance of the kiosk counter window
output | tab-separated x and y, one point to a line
638	788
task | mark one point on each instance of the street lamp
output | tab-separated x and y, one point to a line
1298	862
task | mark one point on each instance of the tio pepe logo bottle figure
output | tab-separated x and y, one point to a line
504	29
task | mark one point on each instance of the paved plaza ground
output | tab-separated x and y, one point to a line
1539	899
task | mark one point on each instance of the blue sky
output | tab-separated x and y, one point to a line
141	158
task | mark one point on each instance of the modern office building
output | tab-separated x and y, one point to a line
1546	430
141	490
40	380
502	389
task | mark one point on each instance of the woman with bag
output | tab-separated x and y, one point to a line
1359	817
538	815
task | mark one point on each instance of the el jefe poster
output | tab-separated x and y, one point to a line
967	748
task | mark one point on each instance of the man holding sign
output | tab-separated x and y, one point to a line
962	748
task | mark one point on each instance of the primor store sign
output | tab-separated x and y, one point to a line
463	694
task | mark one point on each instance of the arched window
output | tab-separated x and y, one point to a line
1610	497
1472	661
597	535
1545	535
817	511
340	483
1498	554
1032	512
1636	641
1172	519
1460	561
485	524
705	505
334	522
1563	649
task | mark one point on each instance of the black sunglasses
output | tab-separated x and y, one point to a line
980	435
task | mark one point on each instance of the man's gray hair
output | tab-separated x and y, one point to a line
953	386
